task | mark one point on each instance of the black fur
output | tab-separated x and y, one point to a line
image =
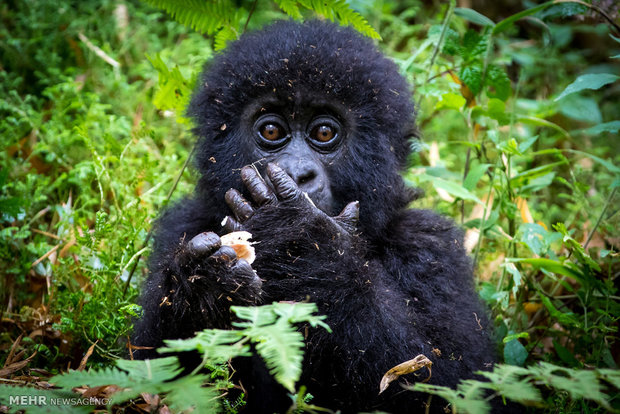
400	287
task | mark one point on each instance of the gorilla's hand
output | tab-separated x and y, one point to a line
208	265
288	202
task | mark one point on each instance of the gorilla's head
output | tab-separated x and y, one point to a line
319	100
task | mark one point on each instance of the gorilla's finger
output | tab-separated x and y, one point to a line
260	191
230	224
239	205
349	216
224	254
285	186
244	269
204	243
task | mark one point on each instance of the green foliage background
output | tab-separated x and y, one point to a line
519	115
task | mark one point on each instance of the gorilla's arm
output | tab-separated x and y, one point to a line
405	298
193	280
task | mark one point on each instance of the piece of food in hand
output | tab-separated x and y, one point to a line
239	241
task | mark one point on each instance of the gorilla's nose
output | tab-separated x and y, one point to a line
306	173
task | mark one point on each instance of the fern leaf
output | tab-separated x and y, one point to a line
340	10
300	312
189	394
281	347
348	16
289	7
216	344
91	378
256	315
203	16
151	370
222	37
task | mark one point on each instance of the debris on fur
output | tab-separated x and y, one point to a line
405	368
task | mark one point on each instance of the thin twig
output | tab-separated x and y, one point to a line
150	233
600	218
245	26
444	29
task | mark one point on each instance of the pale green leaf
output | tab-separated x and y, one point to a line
588	81
450	187
473	16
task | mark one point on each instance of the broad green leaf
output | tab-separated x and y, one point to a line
451	101
588	81
474	175
515	353
581	108
496	109
473	16
613	127
498	83
452	188
532	120
552	266
525	145
511	337
472	77
507	22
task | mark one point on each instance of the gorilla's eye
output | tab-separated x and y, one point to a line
271	131
322	133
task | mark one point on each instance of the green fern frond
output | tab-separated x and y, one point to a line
341	11
92	378
222	37
189	394
520	385
301	312
281	347
203	16
256	315
289	7
217	345
156	370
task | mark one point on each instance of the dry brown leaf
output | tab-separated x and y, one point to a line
405	368
9	359
15	366
239	241
86	356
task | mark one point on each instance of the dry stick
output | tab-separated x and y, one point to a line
150	233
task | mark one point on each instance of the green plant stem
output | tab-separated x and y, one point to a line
444	29
600	218
247	21
483	219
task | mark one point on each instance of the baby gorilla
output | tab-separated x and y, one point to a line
303	130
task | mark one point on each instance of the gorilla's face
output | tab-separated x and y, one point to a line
320	101
304	139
